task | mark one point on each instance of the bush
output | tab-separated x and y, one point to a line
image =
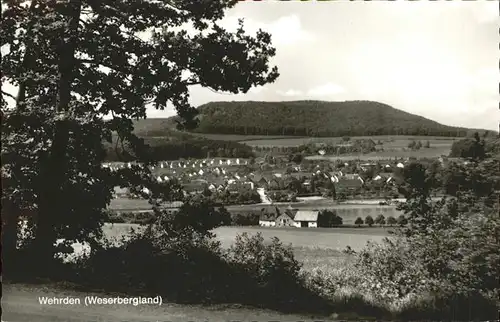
444	264
402	221
369	221
329	218
359	221
391	221
269	273
380	220
250	219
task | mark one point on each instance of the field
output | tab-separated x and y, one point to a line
433	152
302	239
348	212
394	141
242	138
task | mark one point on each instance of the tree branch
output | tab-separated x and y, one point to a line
8	94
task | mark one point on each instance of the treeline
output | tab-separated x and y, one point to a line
316	118
356	146
478	146
179	146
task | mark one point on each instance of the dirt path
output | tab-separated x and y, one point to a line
20	303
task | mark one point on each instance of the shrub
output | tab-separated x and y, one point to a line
391	221
250	219
369	220
402	221
329	218
444	264
269	273
380	220
359	221
265	264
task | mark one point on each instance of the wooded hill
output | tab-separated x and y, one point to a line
173	145
313	118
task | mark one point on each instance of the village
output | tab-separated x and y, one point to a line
277	182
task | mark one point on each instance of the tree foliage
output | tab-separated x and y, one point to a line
473	148
448	255
329	218
75	62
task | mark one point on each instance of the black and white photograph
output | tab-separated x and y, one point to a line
226	160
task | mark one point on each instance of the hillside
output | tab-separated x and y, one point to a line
173	145
313	118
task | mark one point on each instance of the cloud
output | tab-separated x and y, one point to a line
286	30
257	90
290	92
328	89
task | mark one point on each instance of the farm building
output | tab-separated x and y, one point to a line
267	220
306	218
284	220
120	192
171	207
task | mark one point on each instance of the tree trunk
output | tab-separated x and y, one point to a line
51	207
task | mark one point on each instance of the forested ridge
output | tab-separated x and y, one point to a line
314	118
174	145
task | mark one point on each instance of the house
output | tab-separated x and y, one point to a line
275	184
383	177
352	176
334	176
120	192
194	187
171	207
259	180
345	184
306	218
236	186
284	220
267	220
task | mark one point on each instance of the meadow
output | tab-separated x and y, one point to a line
242	138
306	241
433	152
348	212
393	141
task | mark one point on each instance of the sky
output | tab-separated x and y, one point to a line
439	59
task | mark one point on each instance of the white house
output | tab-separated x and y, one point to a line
306	218
400	165
267	220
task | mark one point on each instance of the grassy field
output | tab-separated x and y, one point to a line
395	141
302	239
433	152
242	138
348	212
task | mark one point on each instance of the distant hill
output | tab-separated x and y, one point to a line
308	118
